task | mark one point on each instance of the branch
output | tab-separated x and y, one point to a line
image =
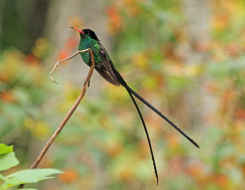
58	130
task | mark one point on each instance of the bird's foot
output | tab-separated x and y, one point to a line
86	81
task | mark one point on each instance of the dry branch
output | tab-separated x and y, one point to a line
58	130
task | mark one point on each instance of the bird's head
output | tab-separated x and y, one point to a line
88	32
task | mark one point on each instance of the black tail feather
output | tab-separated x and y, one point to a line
115	75
164	117
130	91
124	84
147	135
118	79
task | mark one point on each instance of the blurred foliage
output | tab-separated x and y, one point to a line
23	21
103	144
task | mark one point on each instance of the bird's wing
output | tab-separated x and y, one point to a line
106	76
108	66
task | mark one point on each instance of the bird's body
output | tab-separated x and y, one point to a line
105	67
85	43
99	53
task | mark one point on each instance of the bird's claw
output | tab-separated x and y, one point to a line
87	81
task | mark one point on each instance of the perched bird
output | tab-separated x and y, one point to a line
104	66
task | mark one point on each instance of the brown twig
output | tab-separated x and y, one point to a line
58	130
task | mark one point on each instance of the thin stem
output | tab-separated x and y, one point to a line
92	57
58	130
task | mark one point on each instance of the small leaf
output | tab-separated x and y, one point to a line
8	161
11	182
29	176
5	149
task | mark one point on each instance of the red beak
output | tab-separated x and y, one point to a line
78	30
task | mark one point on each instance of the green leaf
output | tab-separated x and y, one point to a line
8	161
29	189
29	176
11	182
5	149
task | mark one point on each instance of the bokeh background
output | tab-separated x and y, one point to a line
186	57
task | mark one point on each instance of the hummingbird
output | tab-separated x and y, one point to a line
105	67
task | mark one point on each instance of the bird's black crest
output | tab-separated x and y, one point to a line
91	34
